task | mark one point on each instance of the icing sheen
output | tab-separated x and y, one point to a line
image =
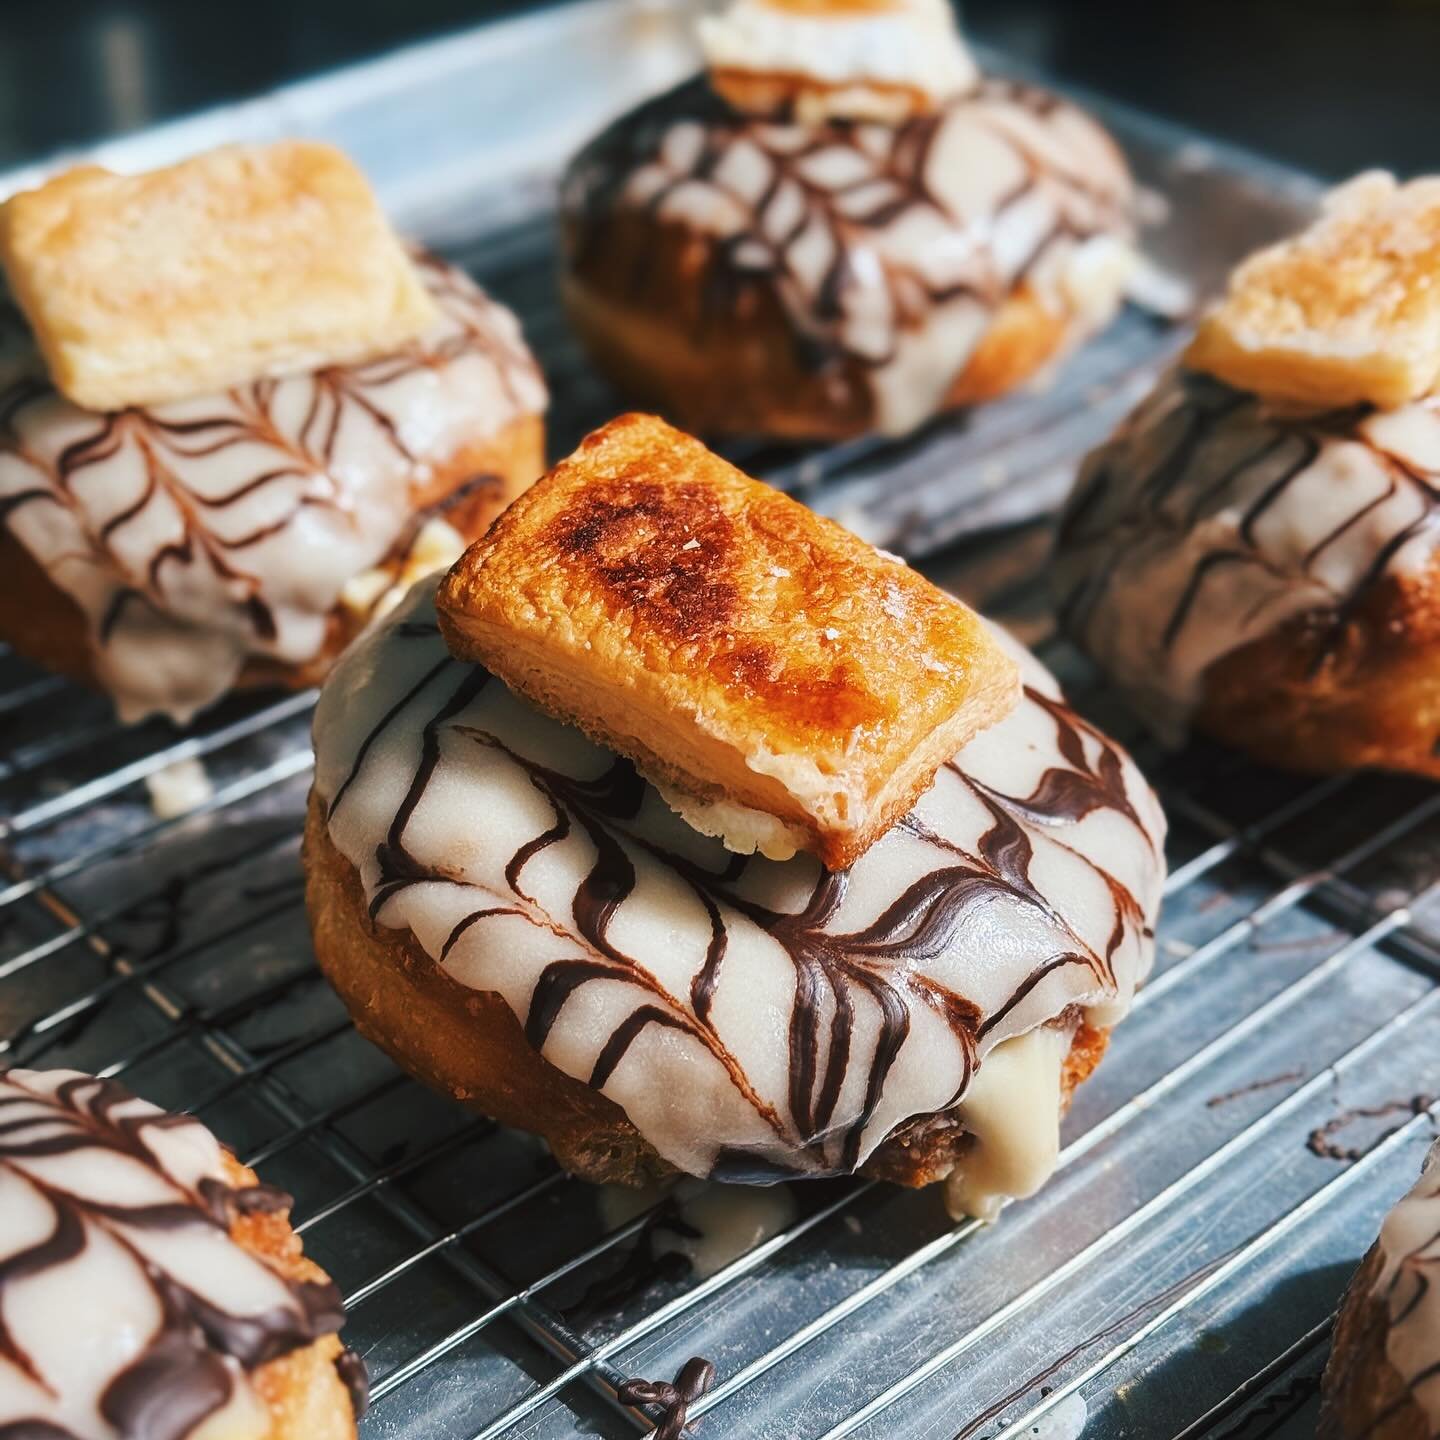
754	1019
125	1308
1409	1287
1211	519
199	534
891	246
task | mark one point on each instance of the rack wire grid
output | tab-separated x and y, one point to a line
1268	1099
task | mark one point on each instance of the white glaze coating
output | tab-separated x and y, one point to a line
104	1225
699	990
1212	519
1409	1287
890	246
198	534
1013	1111
914	43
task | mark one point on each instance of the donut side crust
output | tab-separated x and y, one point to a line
746	371
467	1044
41	622
303	1390
1365	694
1362	1394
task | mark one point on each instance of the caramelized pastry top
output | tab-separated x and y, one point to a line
818	60
726	638
753	1019
1345	313
133	1302
889	248
197	534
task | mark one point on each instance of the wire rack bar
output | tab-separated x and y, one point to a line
1159	1205
1236	1265
62	904
192	748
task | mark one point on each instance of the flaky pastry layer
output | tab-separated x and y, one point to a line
731	642
240	263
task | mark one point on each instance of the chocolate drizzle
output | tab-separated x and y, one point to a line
202	533
859	973
1211	521
695	1377
1408	1287
864	233
70	1144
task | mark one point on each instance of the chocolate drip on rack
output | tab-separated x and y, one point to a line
695	1377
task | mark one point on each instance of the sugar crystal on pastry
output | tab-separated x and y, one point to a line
735	645
242	262
1345	313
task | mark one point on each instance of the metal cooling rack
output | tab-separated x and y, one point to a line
1222	1171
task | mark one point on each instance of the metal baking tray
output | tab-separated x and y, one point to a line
1268	1100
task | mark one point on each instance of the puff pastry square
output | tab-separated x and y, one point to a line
243	262
1345	313
742	650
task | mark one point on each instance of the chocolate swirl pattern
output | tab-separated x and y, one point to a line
754	1019
198	534
892	246
125	1308
1212	519
1409	1288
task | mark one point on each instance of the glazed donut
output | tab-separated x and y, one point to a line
522	921
1263	569
167	552
820	277
1383	1378
150	1284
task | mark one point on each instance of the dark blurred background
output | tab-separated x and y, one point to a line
1331	85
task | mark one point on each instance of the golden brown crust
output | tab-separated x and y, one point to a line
746	373
1363	1394
1368	695
467	1044
1345	313
239	263
733	643
304	1392
41	622
787	94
